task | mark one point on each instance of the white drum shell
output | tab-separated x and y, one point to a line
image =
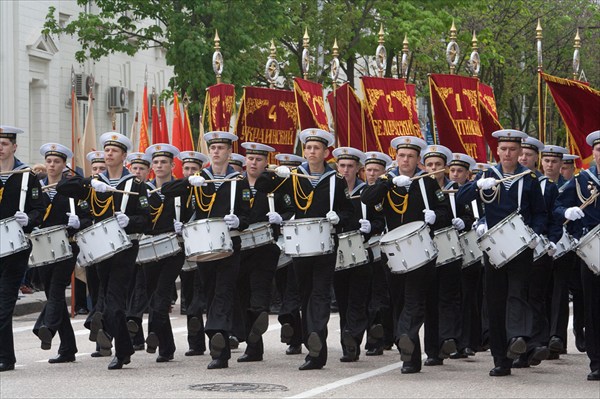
157	247
189	266
13	239
49	245
564	245
541	249
375	247
307	237
448	244
284	259
506	240
206	240
256	235
351	251
101	241
589	250
408	247
472	252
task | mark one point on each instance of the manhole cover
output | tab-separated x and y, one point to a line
238	387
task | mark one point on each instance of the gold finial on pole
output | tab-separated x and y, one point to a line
217	61
404	64
576	63
538	37
474	60
334	72
380	53
452	50
272	67
305	54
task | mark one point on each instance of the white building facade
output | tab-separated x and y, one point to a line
35	78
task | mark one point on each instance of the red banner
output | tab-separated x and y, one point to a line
579	107
411	90
347	111
489	117
267	116
219	102
311	105
455	103
390	112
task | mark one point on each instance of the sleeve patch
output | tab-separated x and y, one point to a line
144	202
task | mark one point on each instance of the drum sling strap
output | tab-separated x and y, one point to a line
331	191
423	193
177	208
23	194
125	197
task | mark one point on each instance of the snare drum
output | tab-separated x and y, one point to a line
81	261
307	237
589	250
189	266
506	240
472	252
541	249
49	245
257	234
375	247
447	242
157	247
13	239
101	241
408	247
284	259
351	251
564	245
206	240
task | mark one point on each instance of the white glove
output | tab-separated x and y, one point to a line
122	219
274	218
481	229
100	186
429	216
177	226
283	171
574	213
575	241
551	249
73	221
402	181
458	224
22	218
535	241
197	181
333	217
232	221
487	183
365	226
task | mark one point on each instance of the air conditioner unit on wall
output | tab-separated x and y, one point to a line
118	99
83	84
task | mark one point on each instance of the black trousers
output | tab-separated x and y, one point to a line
195	308
470	307
379	307
289	312
137	302
115	275
591	295
509	312
559	308
352	294
12	270
537	296
576	290
55	314
314	275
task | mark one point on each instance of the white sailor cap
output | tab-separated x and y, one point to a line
237	159
459	159
257	148
162	150
532	143
593	138
437	150
219	137
411	142
139	158
95	156
116	139
481	166
314	134
193	156
515	136
56	149
9	132
569	158
554	151
289	159
350	153
379	158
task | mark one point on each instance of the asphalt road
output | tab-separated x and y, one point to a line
278	374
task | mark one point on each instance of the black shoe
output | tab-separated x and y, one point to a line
132	328
351	348
499	372
287	332
593	376
164	359
553	356
83	311
468	351
375	333
314	344
375	352
537	355
245	358
259	327
117	364
432	361
556	345
218	364
448	347
194	325
409	370
101	353
139	347
11	366
45	335
520	363
104	340
516	348
388	347
293	350
234	342
194	352
459	355
349	359
580	341
311	364
406	347
152	342
62	359
95	325
216	345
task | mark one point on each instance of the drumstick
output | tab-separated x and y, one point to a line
449	191
427	174
9	172
498	181
49	186
585	204
301	175
207	181
123	192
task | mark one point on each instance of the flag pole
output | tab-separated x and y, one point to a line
334	73
576	66
74	167
541	105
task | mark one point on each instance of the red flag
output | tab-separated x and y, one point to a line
155	122
144	141
489	117
219	102
164	129
455	102
310	104
579	107
347	111
188	139
177	128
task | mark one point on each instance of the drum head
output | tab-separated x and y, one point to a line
402	231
